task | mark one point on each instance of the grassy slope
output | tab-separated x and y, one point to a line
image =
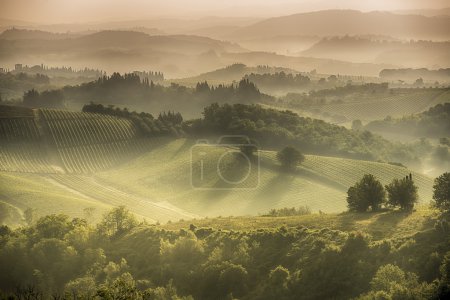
381	225
368	108
157	186
321	183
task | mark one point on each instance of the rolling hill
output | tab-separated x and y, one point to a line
374	50
115	51
352	22
96	162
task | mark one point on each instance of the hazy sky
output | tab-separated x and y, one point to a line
68	11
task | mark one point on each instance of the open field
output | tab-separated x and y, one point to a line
64	162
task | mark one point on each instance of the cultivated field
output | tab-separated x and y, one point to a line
80	162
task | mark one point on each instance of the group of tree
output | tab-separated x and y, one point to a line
121	258
167	123
278	80
369	193
433	123
275	129
45	99
12	86
131	90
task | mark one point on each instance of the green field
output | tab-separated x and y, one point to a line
65	162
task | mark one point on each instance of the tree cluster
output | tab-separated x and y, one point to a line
45	99
120	258
368	193
167	123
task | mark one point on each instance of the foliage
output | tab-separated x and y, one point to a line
368	192
279	80
433	123
166	124
441	192
130	90
46	99
117	222
284	212
290	158
49	259
402	193
275	128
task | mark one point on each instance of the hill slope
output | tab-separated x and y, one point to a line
59	161
341	22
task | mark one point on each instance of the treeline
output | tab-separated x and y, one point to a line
150	76
273	128
366	88
58	71
434	123
129	89
411	75
45	99
167	123
278	80
120	258
12	86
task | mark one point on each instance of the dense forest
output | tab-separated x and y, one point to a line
121	258
129	90
274	128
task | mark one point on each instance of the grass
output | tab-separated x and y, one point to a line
152	176
380	225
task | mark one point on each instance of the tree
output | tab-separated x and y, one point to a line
368	192
290	158
441	192
402	193
31	98
117	222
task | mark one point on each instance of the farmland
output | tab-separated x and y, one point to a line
367	107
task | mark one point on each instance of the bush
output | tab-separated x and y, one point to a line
290	158
441	192
368	192
402	193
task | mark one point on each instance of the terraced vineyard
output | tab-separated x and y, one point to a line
88	142
22	148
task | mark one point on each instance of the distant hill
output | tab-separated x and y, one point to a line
425	12
116	51
341	22
25	34
234	72
361	49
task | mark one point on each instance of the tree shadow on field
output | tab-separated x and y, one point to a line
386	223
348	220
184	147
271	193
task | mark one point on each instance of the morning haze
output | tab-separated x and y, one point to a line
224	149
